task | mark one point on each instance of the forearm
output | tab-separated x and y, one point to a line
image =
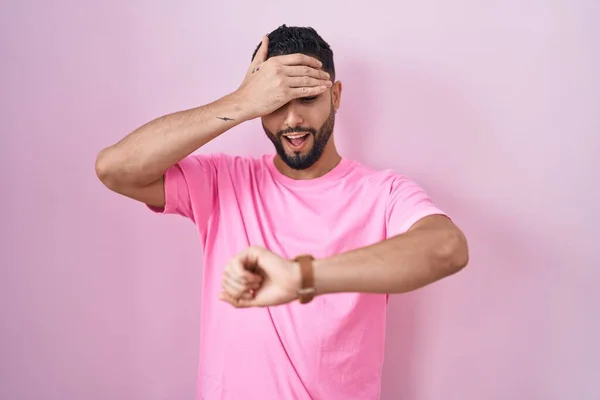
145	154
397	265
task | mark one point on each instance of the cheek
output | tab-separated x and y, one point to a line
317	112
270	124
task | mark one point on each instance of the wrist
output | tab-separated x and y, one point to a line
296	277
317	265
243	105
322	277
303	274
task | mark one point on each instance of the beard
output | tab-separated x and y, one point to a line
298	160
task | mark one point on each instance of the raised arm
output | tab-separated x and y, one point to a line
135	166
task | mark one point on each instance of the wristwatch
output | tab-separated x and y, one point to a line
307	287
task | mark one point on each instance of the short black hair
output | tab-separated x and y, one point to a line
295	39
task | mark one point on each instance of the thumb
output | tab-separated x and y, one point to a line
261	53
238	302
250	258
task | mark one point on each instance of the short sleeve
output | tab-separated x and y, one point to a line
191	189
407	204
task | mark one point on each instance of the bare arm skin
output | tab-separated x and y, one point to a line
135	166
432	249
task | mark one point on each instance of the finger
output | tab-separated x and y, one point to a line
299	81
299	59
302	70
245	278
262	52
249	295
236	302
252	285
306	91
252	278
233	287
238	272
230	274
226	297
245	264
236	288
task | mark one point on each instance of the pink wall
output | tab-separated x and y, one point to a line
494	110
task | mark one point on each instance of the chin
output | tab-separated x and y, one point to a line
295	153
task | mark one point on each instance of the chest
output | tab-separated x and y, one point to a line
289	222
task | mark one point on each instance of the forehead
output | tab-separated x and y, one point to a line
314	101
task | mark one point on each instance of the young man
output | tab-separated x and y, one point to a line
301	248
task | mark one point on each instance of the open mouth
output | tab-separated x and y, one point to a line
296	140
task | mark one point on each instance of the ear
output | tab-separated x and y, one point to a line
336	94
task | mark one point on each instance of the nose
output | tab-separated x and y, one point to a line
293	117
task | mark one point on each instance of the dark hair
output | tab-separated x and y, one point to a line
294	39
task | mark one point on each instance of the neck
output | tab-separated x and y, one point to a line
328	161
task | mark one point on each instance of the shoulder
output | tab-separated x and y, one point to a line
382	178
389	185
223	164
225	160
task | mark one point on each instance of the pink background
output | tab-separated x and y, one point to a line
495	109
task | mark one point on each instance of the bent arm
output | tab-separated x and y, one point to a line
430	250
135	166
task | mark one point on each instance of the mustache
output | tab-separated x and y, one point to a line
297	129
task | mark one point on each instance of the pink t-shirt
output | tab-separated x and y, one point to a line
331	348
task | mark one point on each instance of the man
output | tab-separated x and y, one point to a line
301	248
